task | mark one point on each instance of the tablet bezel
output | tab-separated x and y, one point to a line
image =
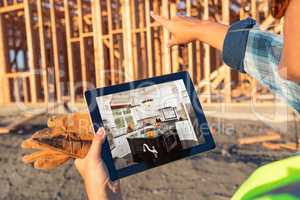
90	97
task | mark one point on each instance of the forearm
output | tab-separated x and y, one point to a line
211	33
290	65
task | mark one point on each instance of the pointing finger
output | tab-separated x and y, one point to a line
161	20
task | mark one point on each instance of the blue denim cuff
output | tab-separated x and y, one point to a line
235	44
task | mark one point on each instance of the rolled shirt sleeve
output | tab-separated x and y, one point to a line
258	53
235	44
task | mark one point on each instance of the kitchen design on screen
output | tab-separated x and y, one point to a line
149	124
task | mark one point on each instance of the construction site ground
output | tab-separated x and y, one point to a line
214	175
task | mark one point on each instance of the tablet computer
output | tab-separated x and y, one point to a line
149	123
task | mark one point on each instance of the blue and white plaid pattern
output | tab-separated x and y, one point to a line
261	61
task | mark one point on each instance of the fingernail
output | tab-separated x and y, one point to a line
100	131
152	14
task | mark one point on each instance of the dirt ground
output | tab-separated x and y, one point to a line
210	176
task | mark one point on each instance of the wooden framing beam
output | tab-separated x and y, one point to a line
42	49
198	64
127	38
190	45
75	39
25	90
55	50
16	91
291	146
4	2
166	50
111	42
259	138
254	9
254	81
17	74
134	38
107	44
272	146
149	39
30	48
175	49
227	80
98	44
157	42
142	43
119	53
82	46
69	51
11	8
207	67
4	85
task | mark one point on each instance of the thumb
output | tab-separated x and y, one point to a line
96	146
172	42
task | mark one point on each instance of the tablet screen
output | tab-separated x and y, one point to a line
149	124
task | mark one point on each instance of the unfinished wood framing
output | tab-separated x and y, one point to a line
69	51
82	46
166	37
254	15
174	50
149	39
62	48
111	42
191	65
128	54
30	48
207	67
259	138
227	80
98	44
5	97
55	50
42	51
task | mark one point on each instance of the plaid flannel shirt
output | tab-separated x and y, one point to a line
257	53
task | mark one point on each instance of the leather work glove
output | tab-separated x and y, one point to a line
67	137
